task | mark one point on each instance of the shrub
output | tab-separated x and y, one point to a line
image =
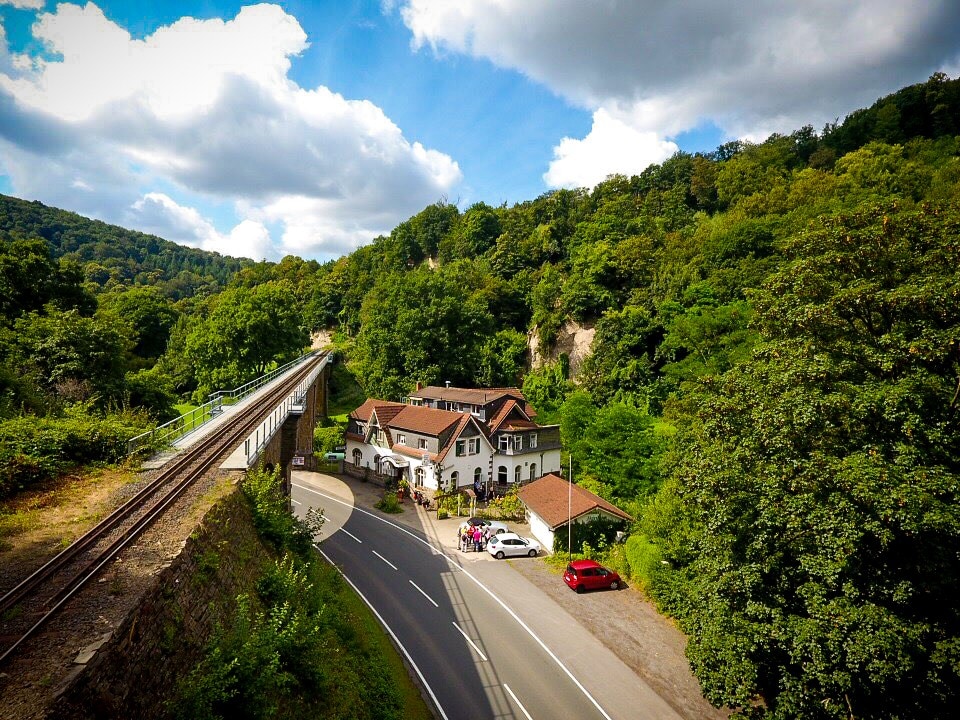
34	449
597	534
389	503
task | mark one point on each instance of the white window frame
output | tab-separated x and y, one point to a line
533	440
402	439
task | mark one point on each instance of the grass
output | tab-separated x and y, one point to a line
184	408
346	395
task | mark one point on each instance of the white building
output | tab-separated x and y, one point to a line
450	438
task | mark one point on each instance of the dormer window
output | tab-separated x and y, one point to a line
402	439
422	444
533	440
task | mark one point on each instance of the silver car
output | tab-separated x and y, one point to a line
510	544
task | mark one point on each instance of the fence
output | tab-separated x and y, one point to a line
173	430
261	436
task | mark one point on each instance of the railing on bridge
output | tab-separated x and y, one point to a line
173	430
293	403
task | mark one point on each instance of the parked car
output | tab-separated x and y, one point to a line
496	527
583	575
510	544
333	456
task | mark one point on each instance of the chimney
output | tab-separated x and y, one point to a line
447	384
419	386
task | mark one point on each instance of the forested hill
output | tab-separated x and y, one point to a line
772	389
113	256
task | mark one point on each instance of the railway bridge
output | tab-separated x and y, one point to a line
153	569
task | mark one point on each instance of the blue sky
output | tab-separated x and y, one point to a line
311	127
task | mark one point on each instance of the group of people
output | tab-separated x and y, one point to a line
472	537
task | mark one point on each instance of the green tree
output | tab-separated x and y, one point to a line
503	359
73	357
421	325
247	330
149	314
822	480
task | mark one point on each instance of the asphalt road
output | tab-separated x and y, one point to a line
485	642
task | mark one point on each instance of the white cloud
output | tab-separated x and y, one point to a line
160	215
207	106
750	68
612	146
25	4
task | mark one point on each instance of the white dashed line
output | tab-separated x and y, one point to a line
472	643
517	701
384	559
424	594
396	640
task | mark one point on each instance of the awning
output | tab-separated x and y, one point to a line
397	462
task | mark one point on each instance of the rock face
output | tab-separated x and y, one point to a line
573	340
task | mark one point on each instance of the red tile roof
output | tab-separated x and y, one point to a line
424	420
548	498
364	412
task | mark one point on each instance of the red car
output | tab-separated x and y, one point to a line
583	575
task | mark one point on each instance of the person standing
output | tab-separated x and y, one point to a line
477	539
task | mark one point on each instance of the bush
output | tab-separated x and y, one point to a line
34	449
389	503
598	535
327	439
666	585
272	518
294	648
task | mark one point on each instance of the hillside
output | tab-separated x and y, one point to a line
111	255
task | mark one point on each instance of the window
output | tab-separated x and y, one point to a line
502	475
503	442
418	477
461	448
402	439
357	457
533	471
422	443
474	446
455	479
533	440
516	475
518	442
477	477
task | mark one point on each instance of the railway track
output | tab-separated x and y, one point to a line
36	599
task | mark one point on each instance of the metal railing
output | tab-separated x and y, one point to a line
294	401
173	430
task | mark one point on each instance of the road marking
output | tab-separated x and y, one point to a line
384	559
472	643
393	635
424	594
517	701
295	502
485	589
344	530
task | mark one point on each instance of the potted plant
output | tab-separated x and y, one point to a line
402	489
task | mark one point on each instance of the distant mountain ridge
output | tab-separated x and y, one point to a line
112	255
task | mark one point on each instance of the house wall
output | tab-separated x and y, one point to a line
540	530
547	461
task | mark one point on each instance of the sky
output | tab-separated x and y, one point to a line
310	128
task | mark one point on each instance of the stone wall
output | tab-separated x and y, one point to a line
137	669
